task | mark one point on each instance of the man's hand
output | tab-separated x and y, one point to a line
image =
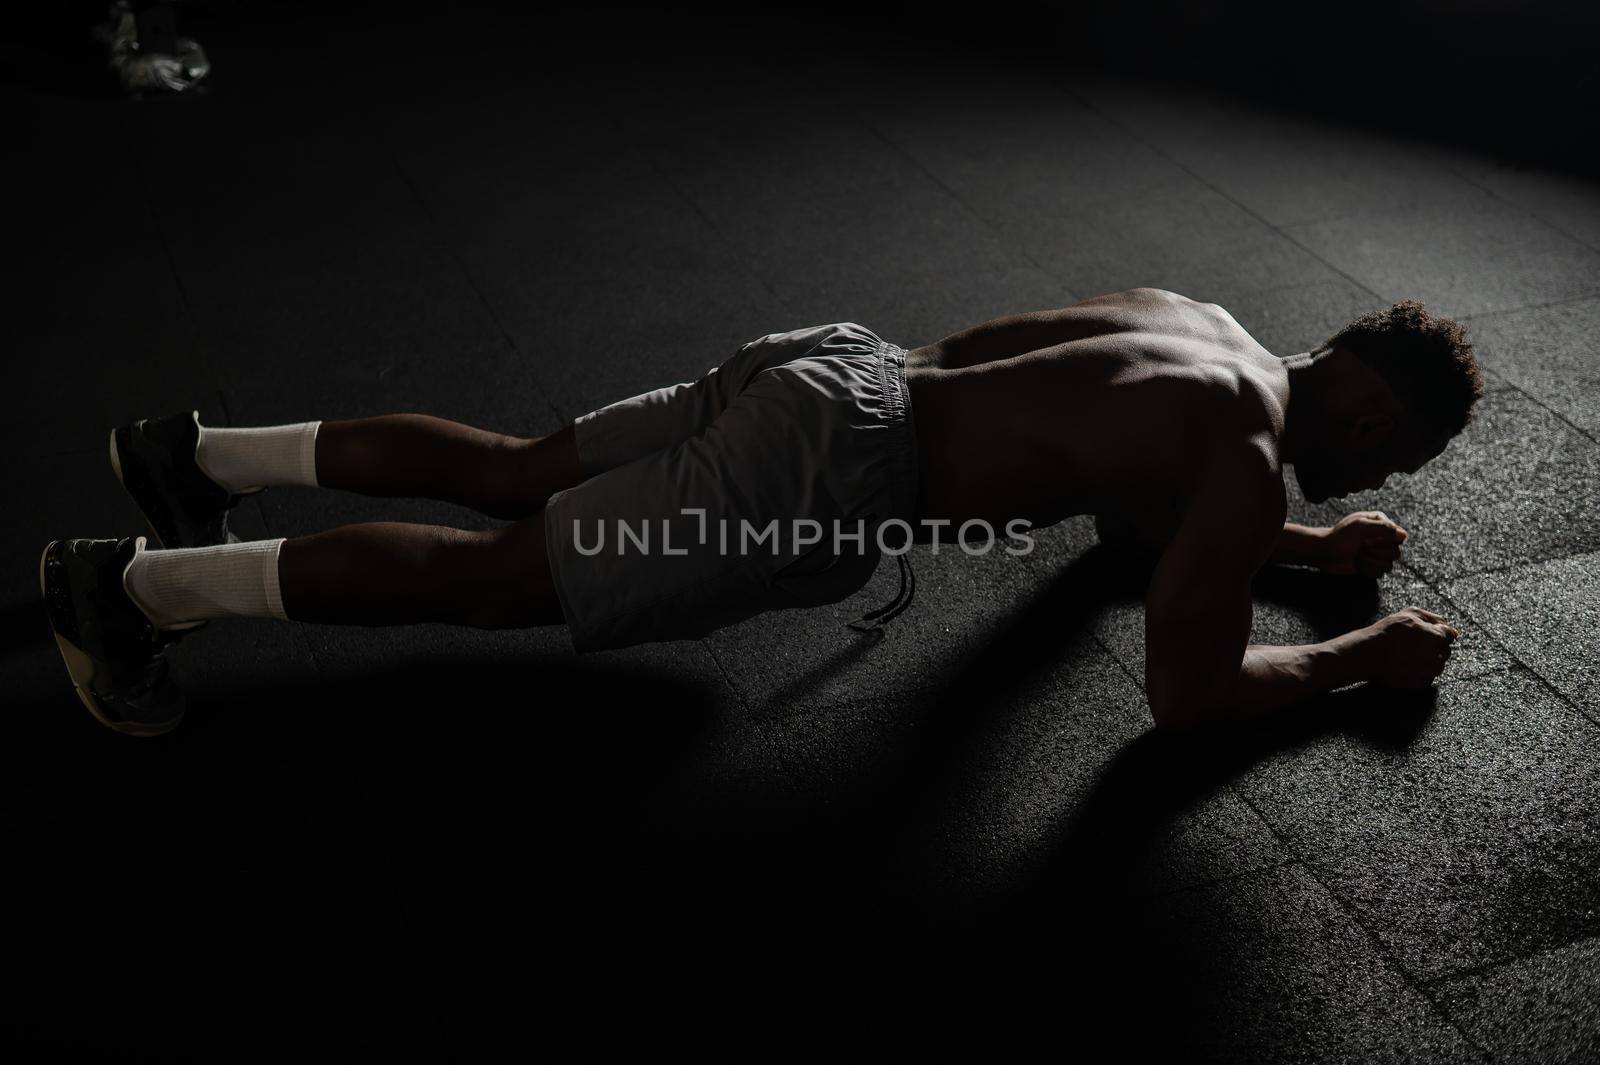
1365	543
1407	649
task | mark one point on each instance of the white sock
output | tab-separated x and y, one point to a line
186	584
242	460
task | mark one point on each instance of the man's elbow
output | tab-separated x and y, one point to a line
1190	712
1178	715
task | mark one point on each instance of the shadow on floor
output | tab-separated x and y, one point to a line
587	760
1085	904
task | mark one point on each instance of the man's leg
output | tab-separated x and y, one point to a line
414	455
420	455
391	573
375	573
103	596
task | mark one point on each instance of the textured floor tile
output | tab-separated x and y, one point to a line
1327	176
838	223
1549	616
588	256
1008	148
1172	119
1289	171
1460	831
1569	202
1518	485
1548	353
1189	239
1490	257
1269	967
1544	1008
1290	320
794	658
1045	772
1218	838
1069	183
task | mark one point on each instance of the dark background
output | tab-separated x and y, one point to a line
1520	79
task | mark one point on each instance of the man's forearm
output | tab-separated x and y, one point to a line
1299	545
1272	678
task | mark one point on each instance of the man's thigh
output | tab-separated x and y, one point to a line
640	425
686	540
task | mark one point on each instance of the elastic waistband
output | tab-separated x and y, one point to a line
897	405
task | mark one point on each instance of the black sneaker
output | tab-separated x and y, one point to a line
113	652
155	461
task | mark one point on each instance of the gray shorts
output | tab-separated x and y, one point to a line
664	540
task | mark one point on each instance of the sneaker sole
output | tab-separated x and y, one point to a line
80	667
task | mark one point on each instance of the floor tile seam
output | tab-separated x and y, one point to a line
1524	208
1529	563
1483	968
956	198
1517	660
1208	883
1387	956
1512	386
1539	305
1159	150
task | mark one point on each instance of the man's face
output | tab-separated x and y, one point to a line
1340	470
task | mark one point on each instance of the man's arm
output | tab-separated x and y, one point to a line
1200	668
1299	545
1365	543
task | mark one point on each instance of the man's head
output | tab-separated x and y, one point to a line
1384	395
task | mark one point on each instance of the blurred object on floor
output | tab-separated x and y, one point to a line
146	53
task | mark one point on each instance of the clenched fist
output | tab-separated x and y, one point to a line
1365	543
1409	649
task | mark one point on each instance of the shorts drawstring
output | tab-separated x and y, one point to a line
897	401
877	619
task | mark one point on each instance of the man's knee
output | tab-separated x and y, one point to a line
1114	531
1125	538
519	591
541	466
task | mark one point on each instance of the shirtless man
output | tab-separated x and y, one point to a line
782	477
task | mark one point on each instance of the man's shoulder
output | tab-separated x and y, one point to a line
1238	465
1241	403
1240	486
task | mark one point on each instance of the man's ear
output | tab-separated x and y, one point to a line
1371	430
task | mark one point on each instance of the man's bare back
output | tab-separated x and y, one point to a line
1112	413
